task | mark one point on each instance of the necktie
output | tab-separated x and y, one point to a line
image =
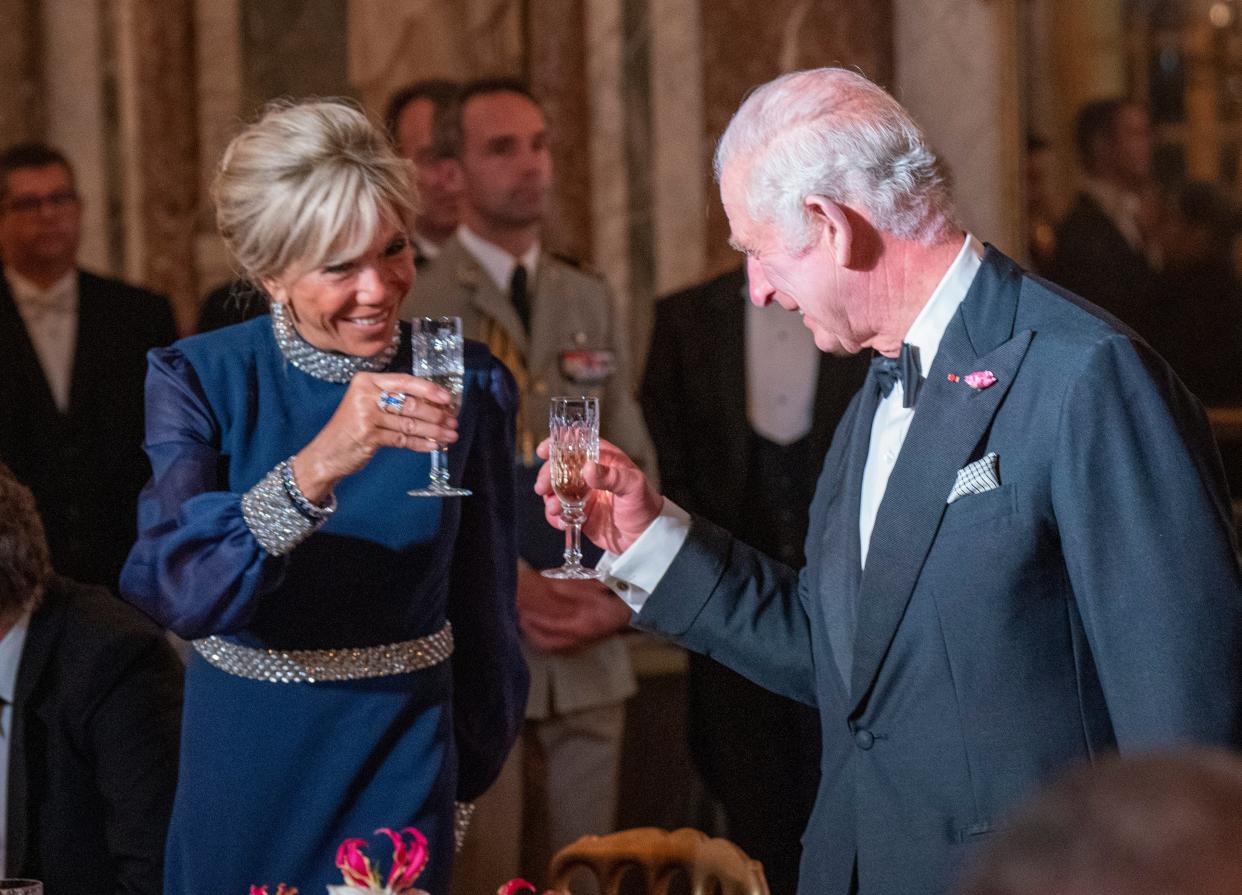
519	297
904	369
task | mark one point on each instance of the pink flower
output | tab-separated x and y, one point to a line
980	379
408	859
355	866
281	889
513	886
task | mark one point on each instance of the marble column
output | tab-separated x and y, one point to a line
976	125
219	106
394	42
21	100
556	54
73	97
155	48
742	50
1087	62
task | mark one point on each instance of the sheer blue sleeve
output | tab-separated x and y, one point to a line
197	568
489	673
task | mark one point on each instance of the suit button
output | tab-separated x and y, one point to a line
864	739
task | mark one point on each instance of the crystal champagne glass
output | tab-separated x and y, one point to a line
573	425
437	346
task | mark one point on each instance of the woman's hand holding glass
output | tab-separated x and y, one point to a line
374	414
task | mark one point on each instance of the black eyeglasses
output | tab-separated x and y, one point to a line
31	204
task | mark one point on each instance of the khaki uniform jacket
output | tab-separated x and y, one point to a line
571	310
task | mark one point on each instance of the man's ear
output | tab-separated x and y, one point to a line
835	230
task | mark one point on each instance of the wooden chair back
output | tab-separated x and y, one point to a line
712	866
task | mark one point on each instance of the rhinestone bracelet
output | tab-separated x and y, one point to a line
463	812
303	504
270	514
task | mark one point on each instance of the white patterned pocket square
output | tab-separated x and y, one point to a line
977	478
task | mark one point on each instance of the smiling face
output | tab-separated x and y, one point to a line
350	305
810	282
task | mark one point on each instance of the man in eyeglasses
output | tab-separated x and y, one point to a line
72	361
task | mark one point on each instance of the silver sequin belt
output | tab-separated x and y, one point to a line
308	666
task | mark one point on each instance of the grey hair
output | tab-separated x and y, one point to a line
307	184
831	132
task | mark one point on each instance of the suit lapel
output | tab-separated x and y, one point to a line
30	387
90	348
41	637
838	540
948	426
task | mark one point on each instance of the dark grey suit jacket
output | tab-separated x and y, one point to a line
1092	602
93	754
85	466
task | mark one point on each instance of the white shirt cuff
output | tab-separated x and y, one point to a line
634	574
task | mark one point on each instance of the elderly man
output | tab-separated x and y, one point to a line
91	696
73	350
1020	552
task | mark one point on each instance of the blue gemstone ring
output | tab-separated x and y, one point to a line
391	402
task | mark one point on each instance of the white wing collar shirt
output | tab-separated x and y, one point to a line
51	318
634	574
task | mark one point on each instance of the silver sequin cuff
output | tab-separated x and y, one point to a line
273	517
308	666
463	812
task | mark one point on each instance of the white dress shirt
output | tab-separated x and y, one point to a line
782	371
51	318
11	646
497	262
426	248
892	421
634	574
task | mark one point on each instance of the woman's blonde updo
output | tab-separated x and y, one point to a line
308	184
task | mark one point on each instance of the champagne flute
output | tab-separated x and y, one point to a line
573	425
437	345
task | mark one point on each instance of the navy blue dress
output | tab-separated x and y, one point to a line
274	775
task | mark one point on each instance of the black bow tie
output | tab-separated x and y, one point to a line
888	371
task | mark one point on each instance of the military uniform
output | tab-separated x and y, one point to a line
575	710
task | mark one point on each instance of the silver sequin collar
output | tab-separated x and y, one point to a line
330	366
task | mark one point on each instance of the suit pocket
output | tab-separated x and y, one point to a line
974	509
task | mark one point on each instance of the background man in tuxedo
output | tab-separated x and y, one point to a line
89	723
1105	245
554	326
416	123
1020	549
741	423
72	362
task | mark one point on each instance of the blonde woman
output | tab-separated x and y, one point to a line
356	660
